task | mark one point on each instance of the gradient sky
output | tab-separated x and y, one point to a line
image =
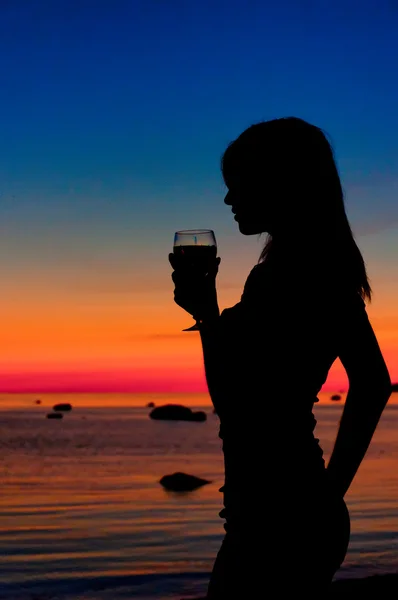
114	118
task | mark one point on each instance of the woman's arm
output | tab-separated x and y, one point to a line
219	335
211	338
368	394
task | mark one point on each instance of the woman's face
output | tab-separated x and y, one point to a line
251	203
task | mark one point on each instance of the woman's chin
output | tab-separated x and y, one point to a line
248	228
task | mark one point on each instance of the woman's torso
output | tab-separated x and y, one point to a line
277	348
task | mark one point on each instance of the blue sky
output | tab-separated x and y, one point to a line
115	115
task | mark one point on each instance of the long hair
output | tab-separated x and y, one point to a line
299	160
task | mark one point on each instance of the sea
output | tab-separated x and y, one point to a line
83	514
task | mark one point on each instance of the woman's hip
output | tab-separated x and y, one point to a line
303	545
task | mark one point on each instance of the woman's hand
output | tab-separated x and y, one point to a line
195	291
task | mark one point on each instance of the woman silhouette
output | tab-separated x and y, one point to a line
266	359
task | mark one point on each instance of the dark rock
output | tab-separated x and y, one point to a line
335	397
55	415
182	482
150	404
176	412
63	407
394	387
37	401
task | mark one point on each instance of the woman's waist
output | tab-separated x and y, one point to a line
269	429
266	414
272	490
277	461
275	466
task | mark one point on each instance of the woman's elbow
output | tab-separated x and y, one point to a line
387	390
384	391
385	385
377	386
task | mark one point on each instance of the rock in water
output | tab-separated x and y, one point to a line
182	482
176	412
55	415
63	407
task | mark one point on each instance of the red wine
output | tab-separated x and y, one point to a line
195	256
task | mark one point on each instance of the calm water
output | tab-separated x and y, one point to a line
83	516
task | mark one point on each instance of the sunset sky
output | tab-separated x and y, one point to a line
114	118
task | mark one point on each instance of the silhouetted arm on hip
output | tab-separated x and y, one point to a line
368	394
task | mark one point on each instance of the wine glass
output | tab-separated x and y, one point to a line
195	248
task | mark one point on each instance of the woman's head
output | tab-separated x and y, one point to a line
281	177
282	180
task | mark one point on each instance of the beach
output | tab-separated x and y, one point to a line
83	515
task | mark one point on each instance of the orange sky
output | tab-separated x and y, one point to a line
134	344
65	331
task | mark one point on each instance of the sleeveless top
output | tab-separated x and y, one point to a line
275	356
